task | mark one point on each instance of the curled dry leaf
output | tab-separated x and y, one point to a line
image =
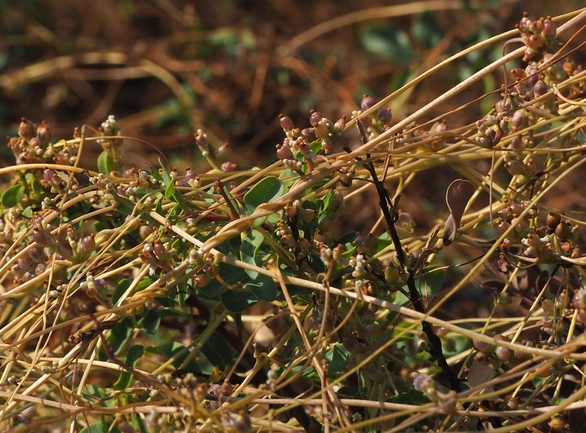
457	196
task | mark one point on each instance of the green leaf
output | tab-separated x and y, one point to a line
236	302
152	321
217	351
132	358
267	190
96	395
432	281
105	162
263	287
230	274
249	250
177	351
120	289
28	212
37	188
13	195
170	190
338	357
138	423
388	42
123	286
412	396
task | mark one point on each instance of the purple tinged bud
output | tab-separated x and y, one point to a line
518	119
284	152
517	143
190	175
518	73
42	237
532	72
525	22
367	102
540	88
534	42
201	140
307	132
88	244
549	30
386	116
315	117
228	166
286	123
422	382
37	254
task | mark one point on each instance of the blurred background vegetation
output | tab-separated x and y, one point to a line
165	68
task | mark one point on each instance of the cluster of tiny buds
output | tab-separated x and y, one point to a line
284	233
538	35
378	121
110	128
156	255
33	143
92	286
202	142
556	237
296	148
358	265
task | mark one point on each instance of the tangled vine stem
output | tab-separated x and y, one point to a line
233	300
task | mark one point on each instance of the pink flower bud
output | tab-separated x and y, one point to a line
315	117
286	123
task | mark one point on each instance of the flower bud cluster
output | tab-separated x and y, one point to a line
557	237
214	158
538	35
378	121
110	129
300	146
34	144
